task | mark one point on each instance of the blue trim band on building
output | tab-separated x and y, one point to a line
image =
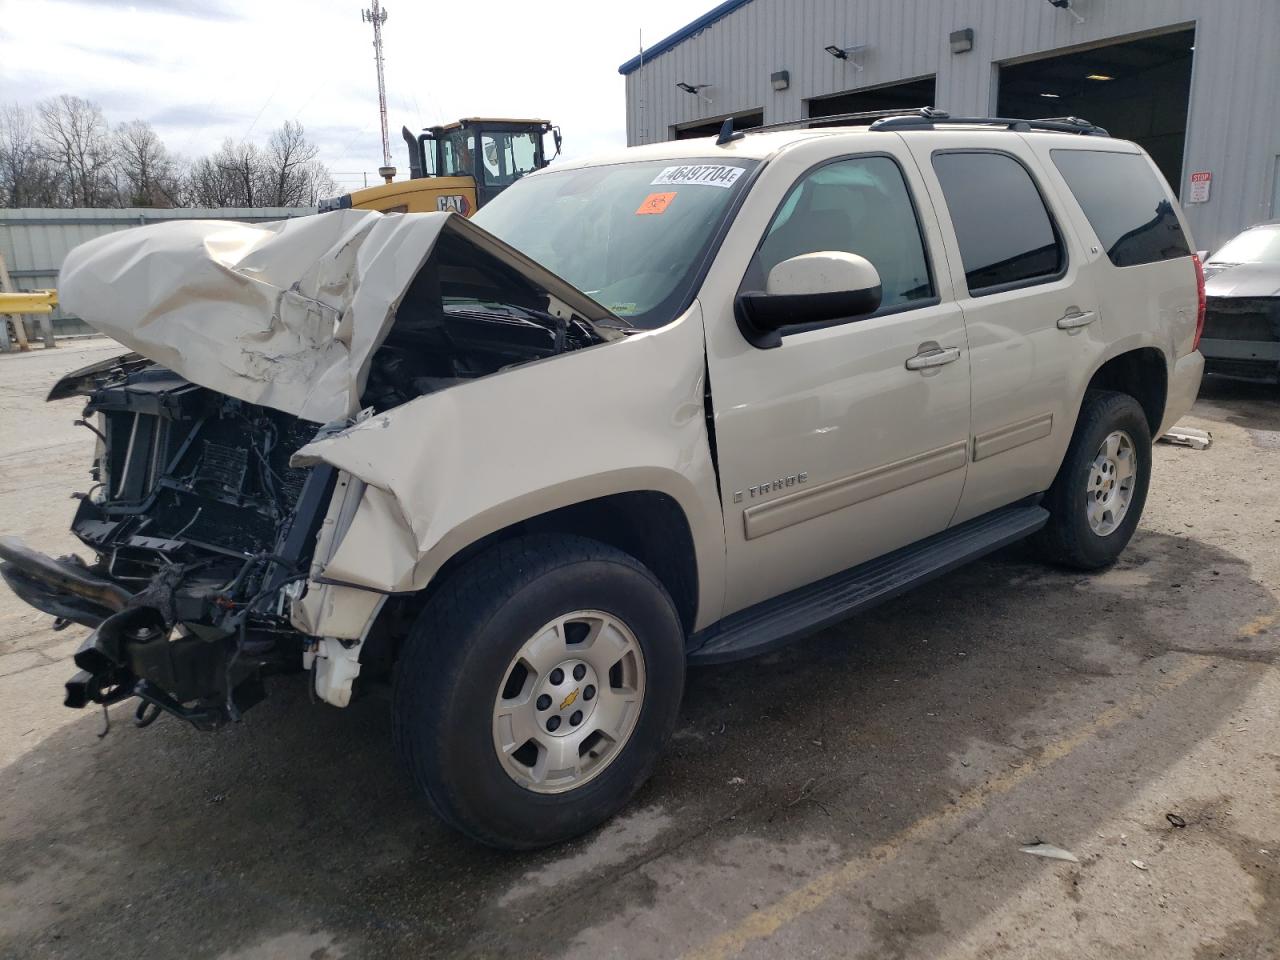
684	33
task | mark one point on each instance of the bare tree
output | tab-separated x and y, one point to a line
295	176
235	175
26	179
287	173
208	185
76	140
146	175
246	172
64	154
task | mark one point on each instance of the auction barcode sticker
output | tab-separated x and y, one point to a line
706	174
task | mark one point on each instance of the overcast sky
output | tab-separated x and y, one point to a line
202	70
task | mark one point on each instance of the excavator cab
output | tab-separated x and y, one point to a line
459	166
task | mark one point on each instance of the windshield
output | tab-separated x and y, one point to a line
630	235
1259	245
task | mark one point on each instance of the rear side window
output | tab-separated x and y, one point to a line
1006	236
1126	204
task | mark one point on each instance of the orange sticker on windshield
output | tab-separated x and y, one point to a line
655	203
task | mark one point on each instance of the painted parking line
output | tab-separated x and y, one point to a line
766	921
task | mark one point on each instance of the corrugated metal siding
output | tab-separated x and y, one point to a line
35	241
1231	128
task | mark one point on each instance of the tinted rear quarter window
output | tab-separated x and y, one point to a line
1126	203
1006	236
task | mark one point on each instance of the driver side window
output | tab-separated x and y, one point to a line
860	205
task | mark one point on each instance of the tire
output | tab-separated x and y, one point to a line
458	671
1071	538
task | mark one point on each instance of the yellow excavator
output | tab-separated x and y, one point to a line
457	167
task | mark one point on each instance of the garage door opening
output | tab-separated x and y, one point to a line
709	128
895	96
1139	90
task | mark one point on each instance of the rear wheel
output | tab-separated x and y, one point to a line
1096	500
537	689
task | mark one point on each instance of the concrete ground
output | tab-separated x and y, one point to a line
864	794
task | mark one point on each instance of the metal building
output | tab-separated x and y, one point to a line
1196	83
34	241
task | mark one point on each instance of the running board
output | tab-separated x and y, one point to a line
808	609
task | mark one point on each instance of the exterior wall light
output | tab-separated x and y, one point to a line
962	40
780	80
846	53
696	89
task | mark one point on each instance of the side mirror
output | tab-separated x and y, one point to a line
811	288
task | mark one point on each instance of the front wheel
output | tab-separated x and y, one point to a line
1096	500
537	689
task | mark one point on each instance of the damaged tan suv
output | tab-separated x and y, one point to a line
676	405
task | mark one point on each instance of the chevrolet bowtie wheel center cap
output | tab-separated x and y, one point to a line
566	697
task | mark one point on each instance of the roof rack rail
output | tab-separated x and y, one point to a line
928	118
869	116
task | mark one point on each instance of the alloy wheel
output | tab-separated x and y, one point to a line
569	701
1112	477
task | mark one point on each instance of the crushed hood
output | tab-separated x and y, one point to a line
287	314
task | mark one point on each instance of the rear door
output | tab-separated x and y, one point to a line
1031	312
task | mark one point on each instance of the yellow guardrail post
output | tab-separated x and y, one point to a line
38	303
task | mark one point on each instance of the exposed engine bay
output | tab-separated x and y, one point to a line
465	317
202	533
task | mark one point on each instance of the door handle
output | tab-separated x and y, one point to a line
936	357
1073	319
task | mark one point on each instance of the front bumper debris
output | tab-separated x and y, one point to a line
133	654
204	675
64	588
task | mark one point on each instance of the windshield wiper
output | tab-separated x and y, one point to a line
505	311
557	326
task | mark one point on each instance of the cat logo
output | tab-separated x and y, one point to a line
567	702
453	203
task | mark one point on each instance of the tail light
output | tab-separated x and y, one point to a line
1201	306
